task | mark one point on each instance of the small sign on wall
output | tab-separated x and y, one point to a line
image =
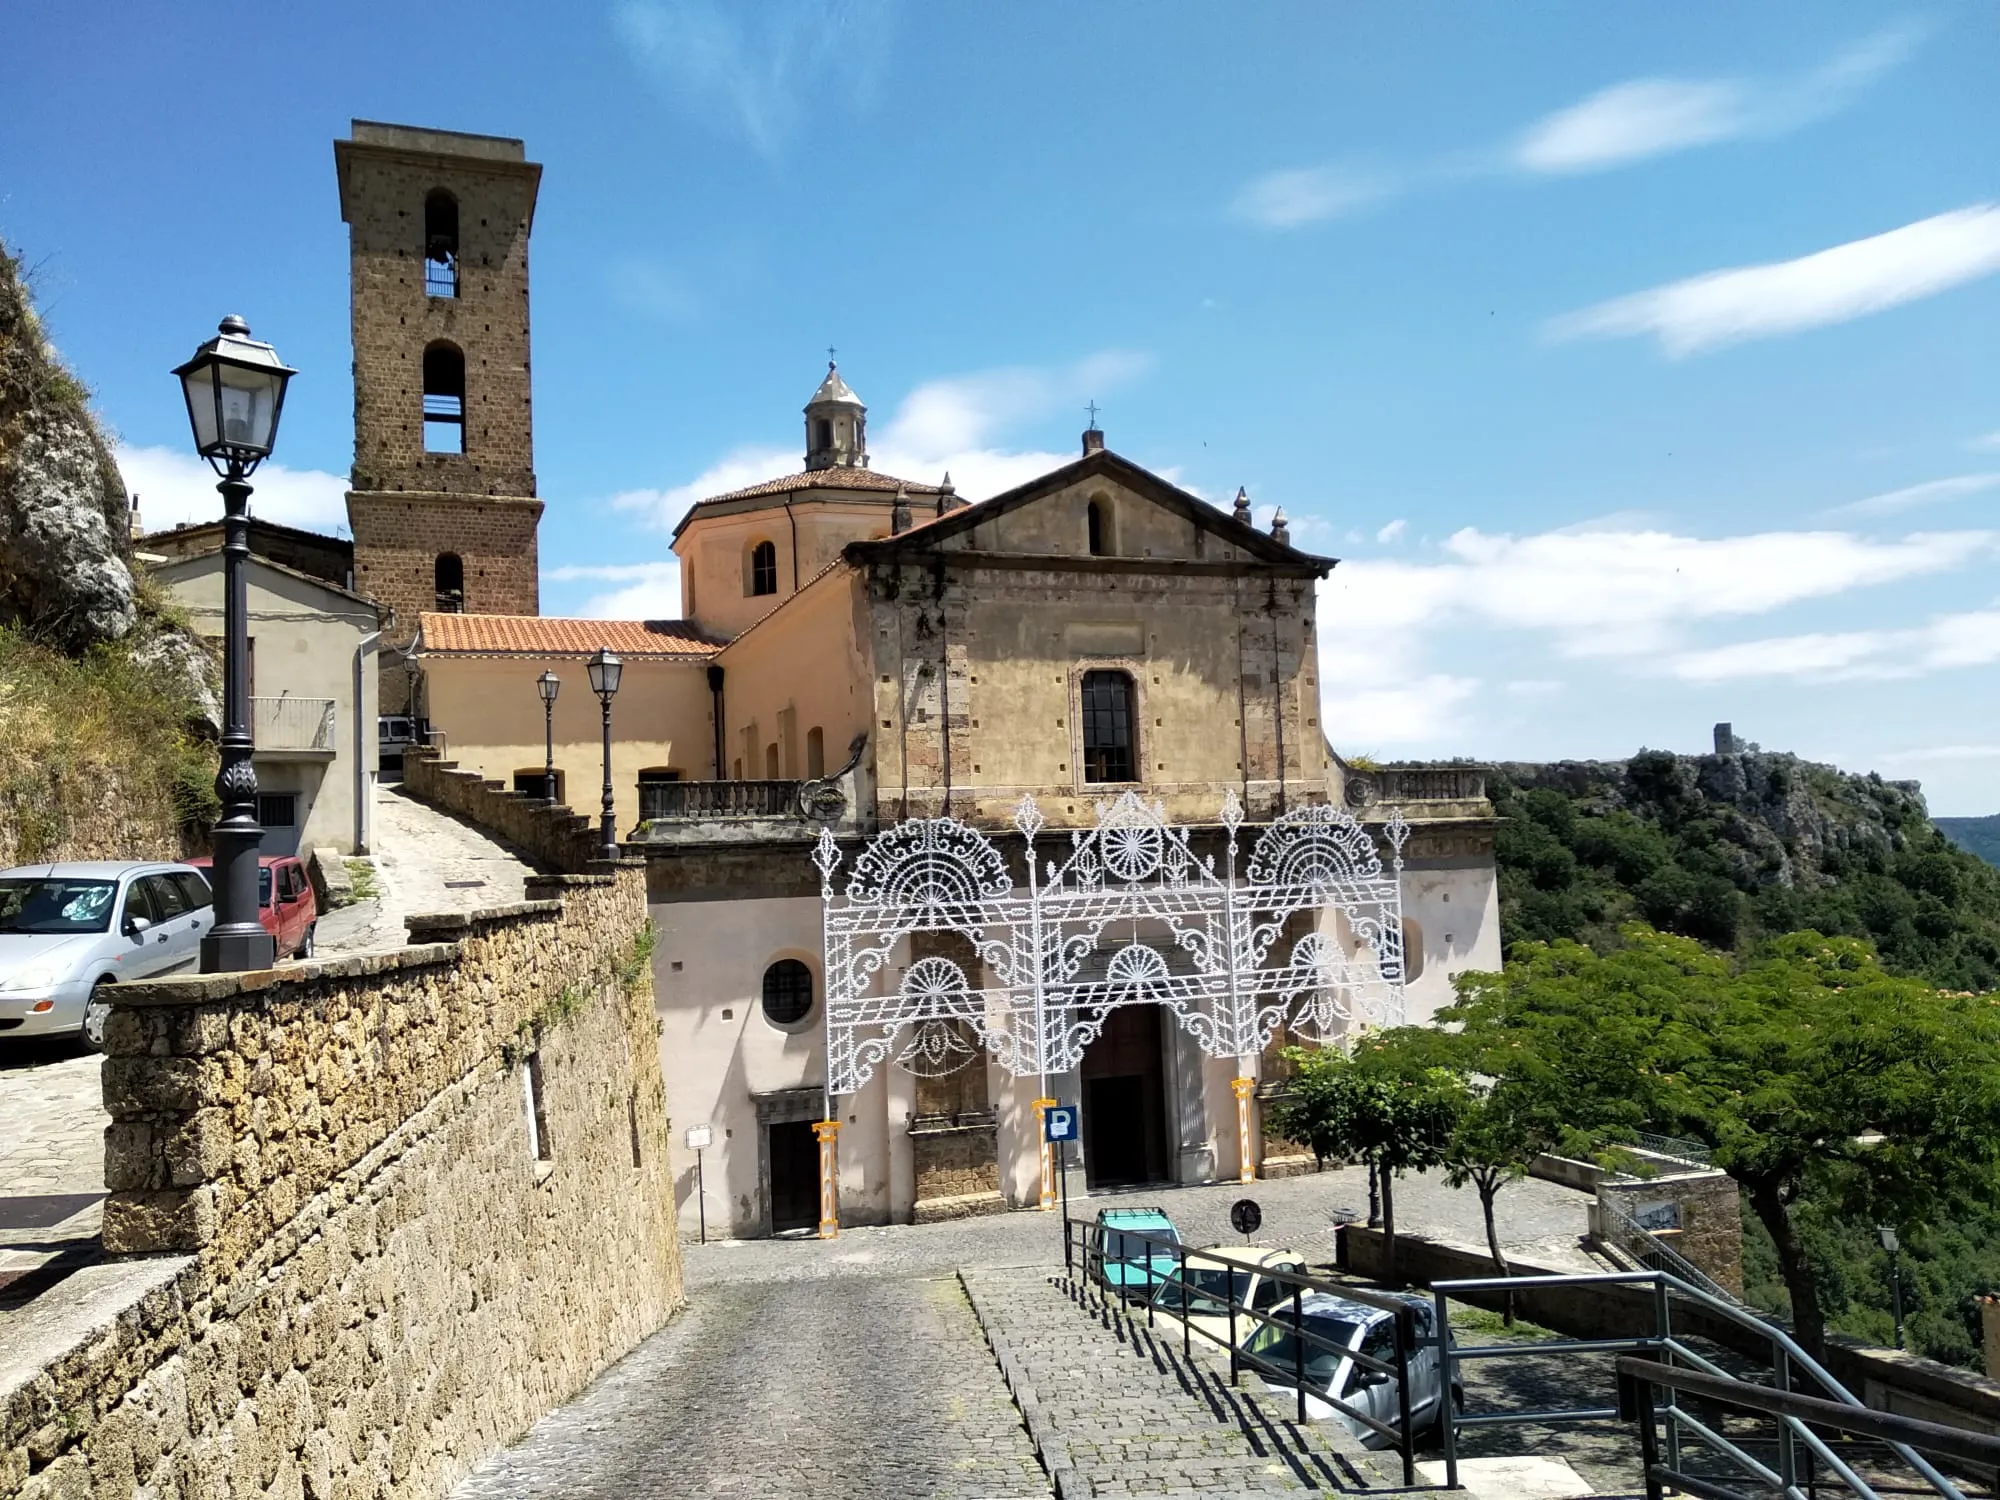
700	1137
1660	1215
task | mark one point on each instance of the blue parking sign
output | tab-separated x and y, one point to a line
1060	1123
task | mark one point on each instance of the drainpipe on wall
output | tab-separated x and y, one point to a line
362	785
715	688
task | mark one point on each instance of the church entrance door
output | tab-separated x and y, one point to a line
794	1176
1124	1101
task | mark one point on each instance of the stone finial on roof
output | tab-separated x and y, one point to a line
1280	531
1242	507
947	500
899	517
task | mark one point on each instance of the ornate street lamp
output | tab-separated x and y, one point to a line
1887	1234
548	685
235	390
605	670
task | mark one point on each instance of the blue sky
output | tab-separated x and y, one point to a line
1639	362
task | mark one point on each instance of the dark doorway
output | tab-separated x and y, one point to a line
794	1176
1124	1100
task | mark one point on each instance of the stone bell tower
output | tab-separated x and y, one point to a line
442	504
836	425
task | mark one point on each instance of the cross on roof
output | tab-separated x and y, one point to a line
1093	409
829	356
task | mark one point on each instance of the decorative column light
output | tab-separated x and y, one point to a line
548	685
235	391
605	671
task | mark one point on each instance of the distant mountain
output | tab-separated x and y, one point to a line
1735	847
1980	836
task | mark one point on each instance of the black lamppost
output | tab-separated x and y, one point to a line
1891	1244
548	685
605	670
235	390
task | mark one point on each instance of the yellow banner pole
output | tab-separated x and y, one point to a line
1042	1108
1244	1088
829	1179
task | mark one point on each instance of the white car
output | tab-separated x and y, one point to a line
1210	1284
66	930
1337	1328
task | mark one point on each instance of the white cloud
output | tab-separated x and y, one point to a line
1362	718
757	69
1629	121
1941	755
1293	196
1970	639
1848	281
1393	532
1990	443
648	591
1928	493
175	488
1645	117
1535	687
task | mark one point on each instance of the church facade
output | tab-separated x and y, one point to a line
861	652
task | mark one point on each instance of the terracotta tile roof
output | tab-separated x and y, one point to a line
543	635
827	479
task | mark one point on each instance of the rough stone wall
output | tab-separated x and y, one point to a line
955	1161
554	837
57	818
386	1280
1709	1214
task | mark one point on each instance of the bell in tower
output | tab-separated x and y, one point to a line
836	426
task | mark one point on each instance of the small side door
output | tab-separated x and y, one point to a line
1375	1393
177	937
200	900
142	946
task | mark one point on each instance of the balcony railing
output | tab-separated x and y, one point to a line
680	800
290	723
1429	784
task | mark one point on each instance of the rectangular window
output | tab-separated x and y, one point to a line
538	1115
278	809
1107	727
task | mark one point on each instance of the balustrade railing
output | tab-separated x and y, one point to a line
668	800
1396	785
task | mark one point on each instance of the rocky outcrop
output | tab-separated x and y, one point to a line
65	574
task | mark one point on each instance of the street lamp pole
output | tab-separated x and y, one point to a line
235	391
1893	1245
605	670
548	685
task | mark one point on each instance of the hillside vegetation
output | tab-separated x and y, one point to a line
1733	848
1980	836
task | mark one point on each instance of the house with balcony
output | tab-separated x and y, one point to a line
313	693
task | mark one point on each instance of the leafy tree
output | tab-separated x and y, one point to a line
1814	1077
1383	1104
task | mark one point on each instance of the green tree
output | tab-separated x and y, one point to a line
1812	1075
1386	1104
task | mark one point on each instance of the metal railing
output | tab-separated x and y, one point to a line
718	799
1649	1250
289	723
1083	1240
1672	1364
1674	1148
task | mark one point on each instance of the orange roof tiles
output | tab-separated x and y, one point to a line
543	635
826	479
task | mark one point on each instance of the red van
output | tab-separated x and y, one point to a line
285	901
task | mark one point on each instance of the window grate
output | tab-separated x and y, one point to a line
1107	727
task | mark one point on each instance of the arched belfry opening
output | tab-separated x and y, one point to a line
448	573
440	244
444	398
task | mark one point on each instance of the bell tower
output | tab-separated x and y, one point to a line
836	425
442	504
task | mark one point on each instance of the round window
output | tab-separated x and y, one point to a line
788	992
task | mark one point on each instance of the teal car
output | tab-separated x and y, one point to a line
1121	1262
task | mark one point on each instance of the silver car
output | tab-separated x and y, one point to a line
66	930
1336	1329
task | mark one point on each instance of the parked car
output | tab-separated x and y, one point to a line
1337	1327
68	929
286	904
1202	1293
1117	1260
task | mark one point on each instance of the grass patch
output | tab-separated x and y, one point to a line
1489	1324
361	876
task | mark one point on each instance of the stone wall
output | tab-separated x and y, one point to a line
384	1250
954	1161
1698	1215
553	836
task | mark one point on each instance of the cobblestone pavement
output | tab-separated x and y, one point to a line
425	861
51	1141
876	1387
1116	1409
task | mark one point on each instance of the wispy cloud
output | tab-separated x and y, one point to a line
1969	639
1645	117
1393	532
1940	755
758	69
1931	492
1988	443
647	590
1833	286
1287	198
175	487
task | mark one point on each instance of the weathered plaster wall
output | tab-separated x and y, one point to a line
803	670
807	537
378	1277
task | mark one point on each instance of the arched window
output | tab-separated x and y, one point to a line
1094	517
764	568
1107	727
822	434
440	244
444	399
788	992
770	762
449	574
815	752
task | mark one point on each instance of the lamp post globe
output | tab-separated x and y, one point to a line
234	387
548	685
605	671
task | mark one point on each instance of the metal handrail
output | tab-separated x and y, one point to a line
1786	1356
1630	1230
1397	1368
